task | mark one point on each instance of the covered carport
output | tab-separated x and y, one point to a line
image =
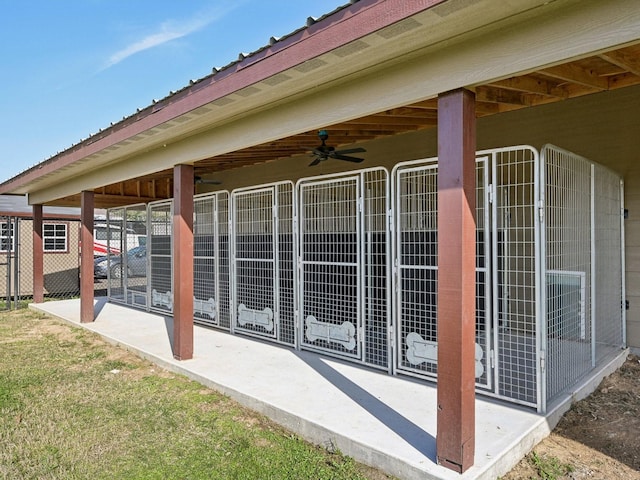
381	75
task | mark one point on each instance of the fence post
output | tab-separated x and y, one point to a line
455	441
183	262
86	257
38	256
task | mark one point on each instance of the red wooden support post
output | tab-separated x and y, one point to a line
183	262
86	257
38	256
455	442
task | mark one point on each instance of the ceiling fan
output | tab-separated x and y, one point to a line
198	180
324	152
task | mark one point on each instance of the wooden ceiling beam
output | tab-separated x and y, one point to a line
529	84
395	121
499	95
624	59
574	73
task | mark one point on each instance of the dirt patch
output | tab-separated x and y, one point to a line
599	438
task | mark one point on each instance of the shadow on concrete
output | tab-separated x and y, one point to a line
415	436
98	305
168	325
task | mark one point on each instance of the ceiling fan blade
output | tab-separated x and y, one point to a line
198	180
350	150
347	158
315	162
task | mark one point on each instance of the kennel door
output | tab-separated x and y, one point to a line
255	252
330	218
210	299
415	210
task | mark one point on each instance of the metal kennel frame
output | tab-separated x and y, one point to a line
135	271
415	273
262	266
343	264
116	224
506	285
583	249
160	256
211	305
346	265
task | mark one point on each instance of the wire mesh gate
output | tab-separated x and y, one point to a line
126	264
343	262
262	265
160	246
211	260
415	195
505	349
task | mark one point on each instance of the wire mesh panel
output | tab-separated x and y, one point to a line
262	281
416	227
133	264
416	259
609	298
583	241
160	255
330	257
515	278
208	303
376	267
224	255
344	252
286	267
113	242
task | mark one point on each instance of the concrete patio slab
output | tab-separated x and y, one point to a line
385	421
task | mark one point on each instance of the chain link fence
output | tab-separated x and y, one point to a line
61	260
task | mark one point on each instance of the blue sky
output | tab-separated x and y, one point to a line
71	67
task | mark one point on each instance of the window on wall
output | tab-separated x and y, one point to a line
7	240
54	237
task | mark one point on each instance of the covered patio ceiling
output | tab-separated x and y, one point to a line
607	71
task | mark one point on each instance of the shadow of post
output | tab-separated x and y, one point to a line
98	305
168	325
413	434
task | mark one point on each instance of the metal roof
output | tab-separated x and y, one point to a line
18	206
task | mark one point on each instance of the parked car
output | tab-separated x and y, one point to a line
136	264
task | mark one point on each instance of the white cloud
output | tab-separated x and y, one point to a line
168	31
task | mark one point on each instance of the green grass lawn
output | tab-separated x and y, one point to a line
75	407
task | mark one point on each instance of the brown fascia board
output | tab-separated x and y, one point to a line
332	31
